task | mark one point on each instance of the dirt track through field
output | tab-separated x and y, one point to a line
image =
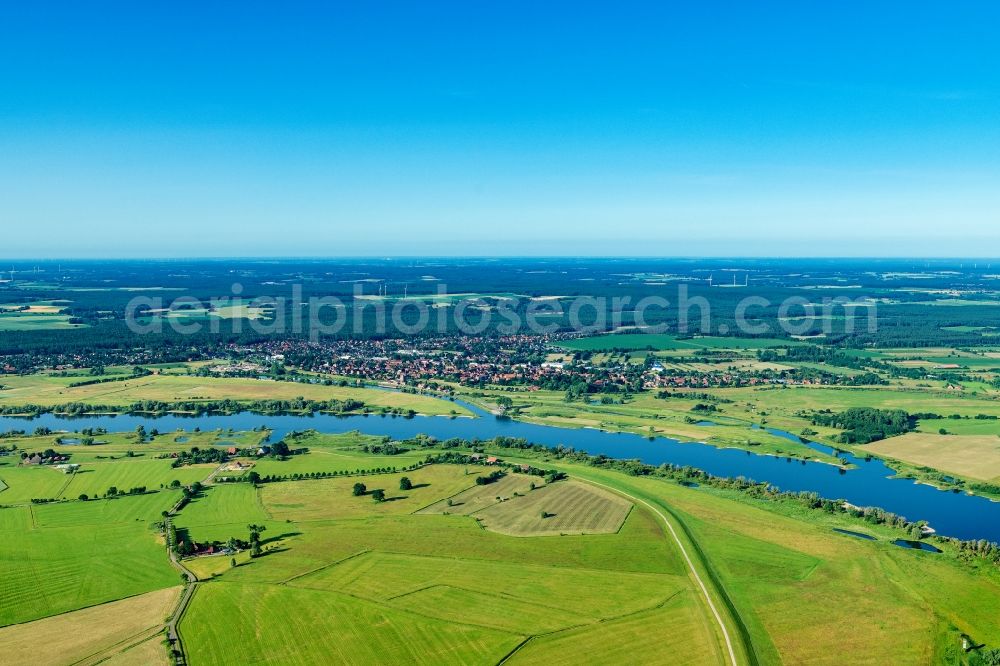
687	558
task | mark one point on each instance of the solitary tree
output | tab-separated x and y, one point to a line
255	532
378	495
405	483
359	489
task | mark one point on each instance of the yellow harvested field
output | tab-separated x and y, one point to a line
973	456
49	390
148	653
89	632
570	507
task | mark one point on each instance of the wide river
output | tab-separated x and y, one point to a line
950	513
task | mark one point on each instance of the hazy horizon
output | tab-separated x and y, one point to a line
504	257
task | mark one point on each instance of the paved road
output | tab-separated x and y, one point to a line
182	604
189	589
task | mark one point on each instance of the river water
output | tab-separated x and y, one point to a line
950	513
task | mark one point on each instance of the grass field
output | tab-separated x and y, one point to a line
808	594
25	483
62	556
597	593
346	579
49	570
569	507
972	456
103	466
781	405
225	503
802	590
472	594
331	498
476	498
334	454
132	509
15	321
39	315
327	628
674	633
93	633
50	390
95	478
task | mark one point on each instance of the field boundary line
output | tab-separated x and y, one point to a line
691	567
517	647
326	566
103	653
533	564
643	611
592	620
103	658
258	493
438	501
100	603
401	609
511	597
173	626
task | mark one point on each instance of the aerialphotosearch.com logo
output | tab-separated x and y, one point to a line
316	317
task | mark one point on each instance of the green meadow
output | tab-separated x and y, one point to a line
60	562
451	571
475	595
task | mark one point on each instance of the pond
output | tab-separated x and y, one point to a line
959	515
859	535
916	545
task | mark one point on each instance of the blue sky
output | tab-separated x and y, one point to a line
780	128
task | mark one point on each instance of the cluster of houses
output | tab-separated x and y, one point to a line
482	459
46	458
465	359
